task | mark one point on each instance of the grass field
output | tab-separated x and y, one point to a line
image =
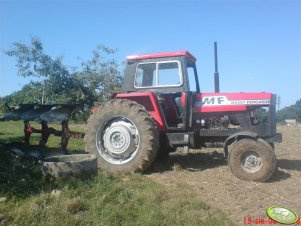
27	199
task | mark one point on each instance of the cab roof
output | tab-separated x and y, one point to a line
162	55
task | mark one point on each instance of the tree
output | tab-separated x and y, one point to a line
91	82
100	74
30	93
291	112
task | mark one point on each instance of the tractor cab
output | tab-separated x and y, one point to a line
171	76
161	73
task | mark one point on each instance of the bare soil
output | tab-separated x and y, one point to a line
208	175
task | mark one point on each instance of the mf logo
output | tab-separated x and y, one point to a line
212	101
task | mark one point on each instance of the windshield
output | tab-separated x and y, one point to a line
159	74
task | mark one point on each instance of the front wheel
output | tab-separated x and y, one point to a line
252	160
123	136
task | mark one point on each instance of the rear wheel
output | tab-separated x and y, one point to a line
123	136
252	160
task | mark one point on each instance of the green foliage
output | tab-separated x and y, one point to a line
101	200
19	176
100	74
3	106
32	61
30	93
291	112
110	201
93	81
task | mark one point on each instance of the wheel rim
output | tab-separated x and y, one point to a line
117	140
251	162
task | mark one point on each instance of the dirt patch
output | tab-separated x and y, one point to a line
209	177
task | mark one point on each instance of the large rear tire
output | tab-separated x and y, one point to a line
123	136
252	160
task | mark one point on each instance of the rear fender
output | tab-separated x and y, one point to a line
149	101
238	136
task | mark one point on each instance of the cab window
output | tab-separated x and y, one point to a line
146	75
159	74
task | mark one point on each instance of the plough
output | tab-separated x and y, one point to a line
44	114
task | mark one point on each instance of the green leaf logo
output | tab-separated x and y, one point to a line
282	215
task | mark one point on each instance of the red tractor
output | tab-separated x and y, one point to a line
161	108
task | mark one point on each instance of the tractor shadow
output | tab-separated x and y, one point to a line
194	162
278	175
285	164
289	164
190	162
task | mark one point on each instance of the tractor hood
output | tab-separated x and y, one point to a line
220	102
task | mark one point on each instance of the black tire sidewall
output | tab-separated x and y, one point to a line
264	151
108	117
144	157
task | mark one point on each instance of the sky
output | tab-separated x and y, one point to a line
259	42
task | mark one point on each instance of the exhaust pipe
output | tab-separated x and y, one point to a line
216	74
